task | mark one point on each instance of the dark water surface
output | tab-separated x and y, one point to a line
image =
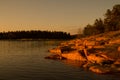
24	60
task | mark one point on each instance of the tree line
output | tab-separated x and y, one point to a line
33	34
111	22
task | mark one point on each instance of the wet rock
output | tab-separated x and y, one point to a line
55	50
100	69
55	57
74	55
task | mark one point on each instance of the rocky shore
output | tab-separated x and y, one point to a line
99	53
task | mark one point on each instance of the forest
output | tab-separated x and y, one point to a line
34	34
111	22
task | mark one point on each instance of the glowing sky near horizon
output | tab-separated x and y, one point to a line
53	15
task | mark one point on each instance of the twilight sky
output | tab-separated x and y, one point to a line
58	15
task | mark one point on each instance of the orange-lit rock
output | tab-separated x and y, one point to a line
116	63
54	57
100	53
100	69
55	50
115	41
89	43
119	48
94	58
74	55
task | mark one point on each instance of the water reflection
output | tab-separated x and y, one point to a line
24	60
73	63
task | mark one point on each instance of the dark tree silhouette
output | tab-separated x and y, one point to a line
112	19
35	35
111	22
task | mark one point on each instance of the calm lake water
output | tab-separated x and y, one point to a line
24	60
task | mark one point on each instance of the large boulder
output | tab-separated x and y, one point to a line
74	55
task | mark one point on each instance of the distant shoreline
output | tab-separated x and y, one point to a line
34	35
33	40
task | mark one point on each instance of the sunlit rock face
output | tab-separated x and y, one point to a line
74	55
99	53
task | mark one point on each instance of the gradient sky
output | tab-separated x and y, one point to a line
58	15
